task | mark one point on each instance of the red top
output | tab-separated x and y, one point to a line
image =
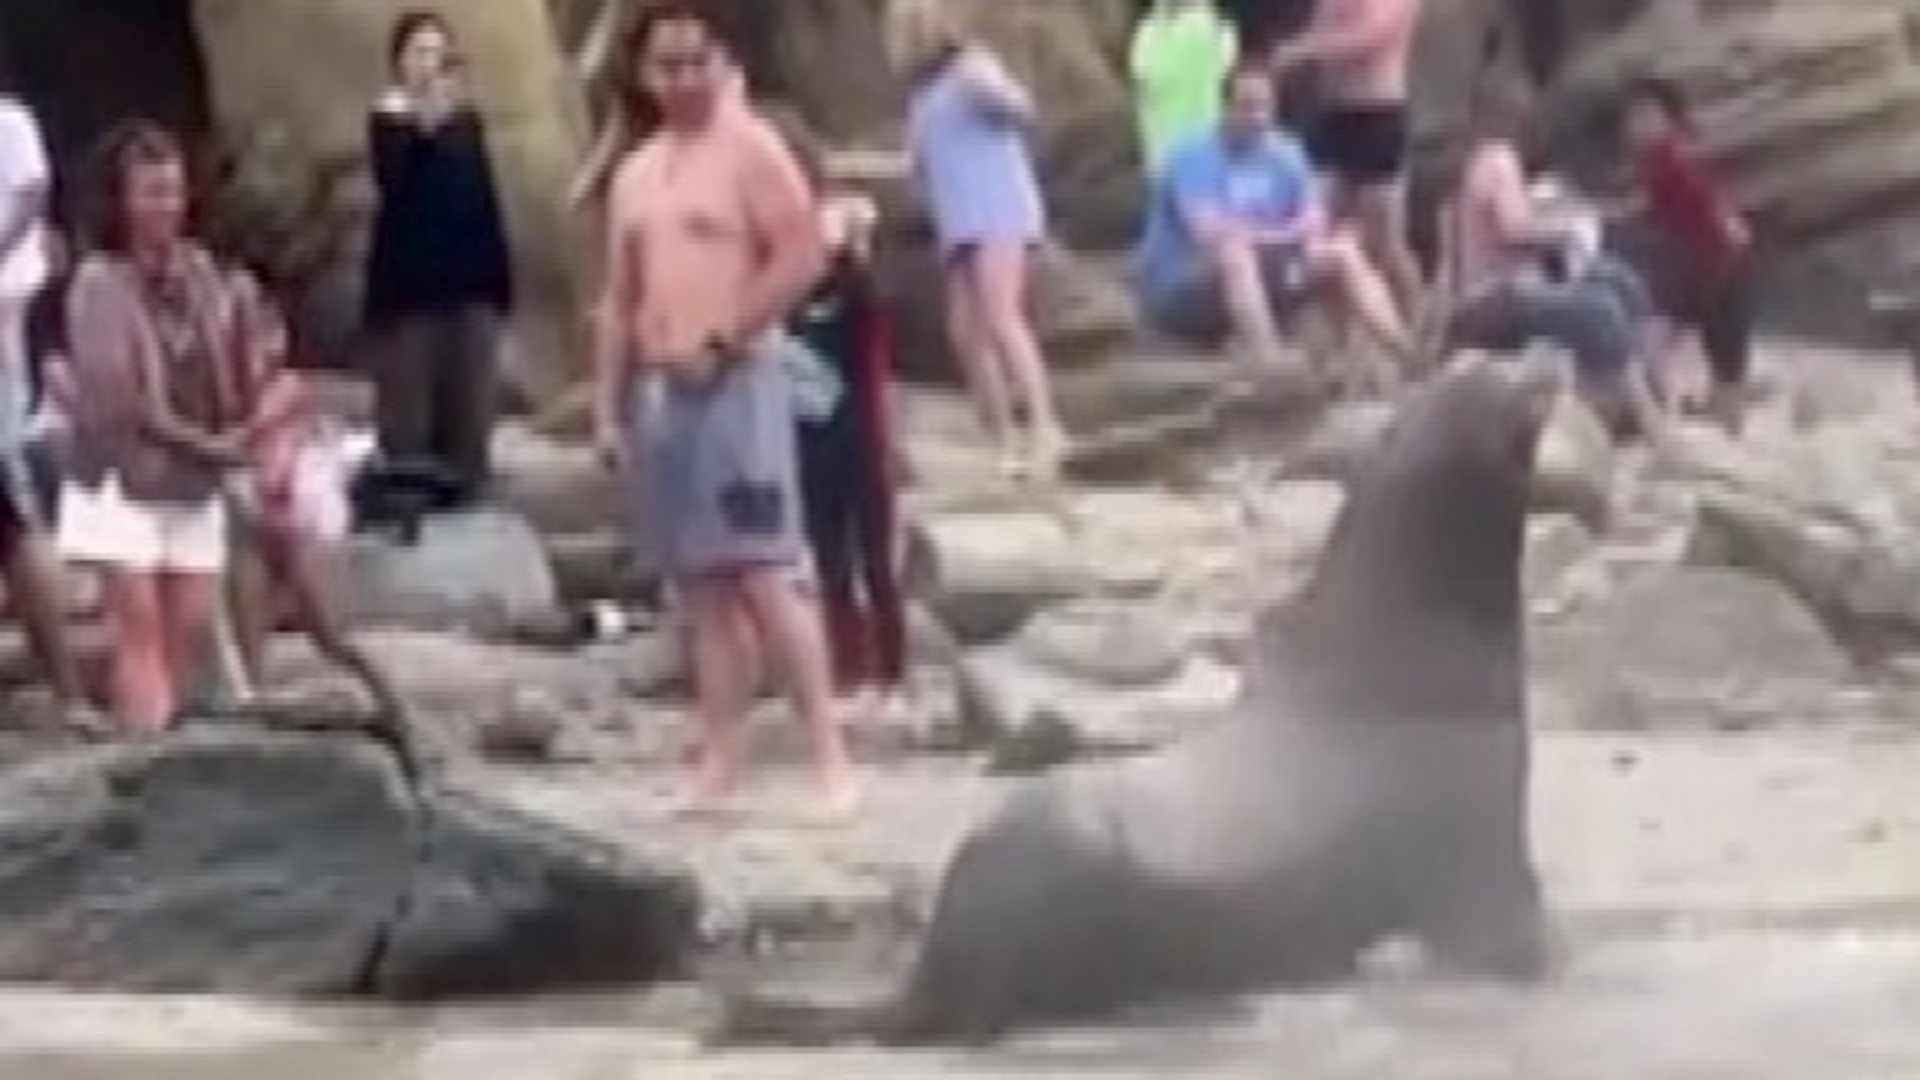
1687	205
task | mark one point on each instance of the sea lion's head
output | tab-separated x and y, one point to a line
1438	510
1416	600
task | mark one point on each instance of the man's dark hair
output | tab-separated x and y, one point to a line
660	13
126	145
654	15
1244	68
409	25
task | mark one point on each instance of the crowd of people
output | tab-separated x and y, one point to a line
742	358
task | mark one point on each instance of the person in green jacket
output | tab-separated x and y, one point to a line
1182	51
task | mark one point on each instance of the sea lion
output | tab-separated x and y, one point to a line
1371	782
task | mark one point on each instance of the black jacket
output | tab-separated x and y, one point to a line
438	237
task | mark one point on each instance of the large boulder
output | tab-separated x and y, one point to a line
1009	701
1831	515
985	574
238	861
559	485
1702	645
478	566
501	903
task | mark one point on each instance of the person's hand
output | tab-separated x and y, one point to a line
698	367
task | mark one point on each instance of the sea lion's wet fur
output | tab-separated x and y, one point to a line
1372	782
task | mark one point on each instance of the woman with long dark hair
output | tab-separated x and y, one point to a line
439	276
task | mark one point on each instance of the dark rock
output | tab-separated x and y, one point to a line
1045	743
237	861
220	862
504	904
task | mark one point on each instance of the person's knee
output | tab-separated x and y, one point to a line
1601	339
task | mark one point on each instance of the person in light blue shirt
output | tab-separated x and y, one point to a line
1237	236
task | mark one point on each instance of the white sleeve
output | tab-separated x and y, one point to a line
23	156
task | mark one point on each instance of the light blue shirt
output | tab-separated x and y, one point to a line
1269	184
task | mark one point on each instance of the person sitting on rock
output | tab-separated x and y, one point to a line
1522	265
1237	235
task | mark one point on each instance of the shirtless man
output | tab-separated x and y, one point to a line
1361	50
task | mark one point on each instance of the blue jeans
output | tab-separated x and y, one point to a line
1600	316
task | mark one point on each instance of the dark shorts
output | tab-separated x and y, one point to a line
1193	306
1361	145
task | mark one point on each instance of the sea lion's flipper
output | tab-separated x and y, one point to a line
1494	929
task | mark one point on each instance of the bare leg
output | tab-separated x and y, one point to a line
250	599
186	619
298	564
1249	307
1380	210
143	685
792	628
1340	262
34	581
971	345
1000	271
719	681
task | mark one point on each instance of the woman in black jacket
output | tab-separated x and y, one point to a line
439	278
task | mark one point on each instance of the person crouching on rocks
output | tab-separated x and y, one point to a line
291	505
713	239
1237	236
850	465
1706	259
1514	273
157	421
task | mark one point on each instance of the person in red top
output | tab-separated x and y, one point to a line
1704	273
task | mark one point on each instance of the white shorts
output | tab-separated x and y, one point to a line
101	525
